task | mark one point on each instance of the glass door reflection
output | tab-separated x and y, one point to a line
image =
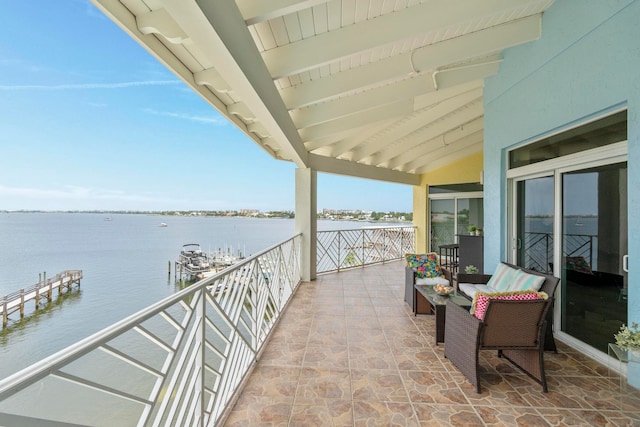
594	244
534	217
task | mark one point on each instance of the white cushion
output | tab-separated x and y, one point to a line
522	281
502	278
432	281
471	289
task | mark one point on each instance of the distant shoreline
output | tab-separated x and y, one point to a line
399	217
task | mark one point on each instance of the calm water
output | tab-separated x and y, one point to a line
124	263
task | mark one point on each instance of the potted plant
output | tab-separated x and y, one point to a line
471	269
479	232
628	338
472	229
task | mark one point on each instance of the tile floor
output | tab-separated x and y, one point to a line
349	352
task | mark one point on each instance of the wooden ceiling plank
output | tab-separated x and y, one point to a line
324	112
348	144
423	159
384	112
420	120
438	128
368	34
423	147
401	65
254	11
450	158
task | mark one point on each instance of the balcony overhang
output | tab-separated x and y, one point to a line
371	91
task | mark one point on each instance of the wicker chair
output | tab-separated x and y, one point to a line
515	328
549	286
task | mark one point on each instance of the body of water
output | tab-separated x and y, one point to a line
124	262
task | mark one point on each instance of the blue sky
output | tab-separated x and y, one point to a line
90	120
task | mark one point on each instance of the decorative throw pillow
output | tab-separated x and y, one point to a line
425	265
481	300
522	281
501	279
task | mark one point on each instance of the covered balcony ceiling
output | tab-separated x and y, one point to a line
382	89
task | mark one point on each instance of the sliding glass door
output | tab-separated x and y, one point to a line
594	248
569	217
454	208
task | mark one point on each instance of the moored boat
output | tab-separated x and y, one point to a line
192	261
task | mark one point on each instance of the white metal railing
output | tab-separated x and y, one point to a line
340	249
179	362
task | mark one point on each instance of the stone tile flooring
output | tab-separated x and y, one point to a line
349	352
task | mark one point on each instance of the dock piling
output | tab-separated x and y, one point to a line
5	316
21	302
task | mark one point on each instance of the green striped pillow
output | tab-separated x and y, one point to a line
501	279
522	281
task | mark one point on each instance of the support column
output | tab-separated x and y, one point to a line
306	220
421	218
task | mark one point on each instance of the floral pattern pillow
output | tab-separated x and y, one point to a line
425	265
578	263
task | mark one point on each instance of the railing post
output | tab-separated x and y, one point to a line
339	263
200	362
364	244
546	255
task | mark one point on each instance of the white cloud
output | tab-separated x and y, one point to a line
85	86
219	121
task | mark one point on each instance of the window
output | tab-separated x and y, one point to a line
599	133
454	208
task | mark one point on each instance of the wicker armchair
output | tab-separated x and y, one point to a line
515	328
548	286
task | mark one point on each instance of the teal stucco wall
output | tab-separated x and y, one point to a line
586	63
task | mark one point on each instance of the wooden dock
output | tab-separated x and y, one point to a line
15	301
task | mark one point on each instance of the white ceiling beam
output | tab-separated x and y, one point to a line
451	157
344	124
479	43
377	97
419	142
432	98
419	120
239	62
329	143
451	138
327	111
464	48
333	85
212	78
343	167
255	11
454	76
438	128
349	143
160	22
322	142
422	158
326	47
240	109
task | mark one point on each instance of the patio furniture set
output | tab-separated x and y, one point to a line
510	312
